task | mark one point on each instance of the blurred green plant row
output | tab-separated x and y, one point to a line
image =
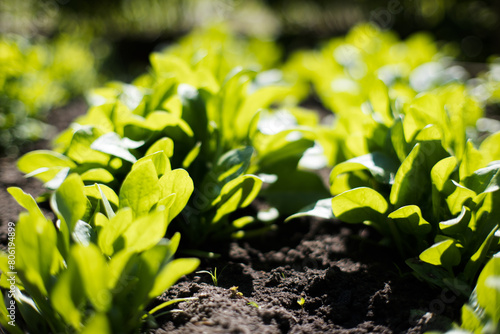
35	76
216	123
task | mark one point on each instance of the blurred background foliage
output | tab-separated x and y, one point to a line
472	24
113	39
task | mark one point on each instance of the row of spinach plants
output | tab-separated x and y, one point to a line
413	163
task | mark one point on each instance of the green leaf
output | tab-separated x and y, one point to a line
398	140
230	99
42	317
80	149
110	236
140	189
379	99
488	289
484	180
441	172
433	274
457	225
117	268
168	65
112	144
409	219
144	232
99	175
162	92
407	188
412	181
44	164
168	123
164	144
286	146
171	273
470	320
107	206
444	253
103	193
430	132
425	109
359	205
68	297
479	257
294	189
231	165
69	201
160	161
98	323
472	160
170	302
321	209
26	201
382	168
194	111
176	182
35	251
235	194
261	98
489	147
192	155
460	197
93	270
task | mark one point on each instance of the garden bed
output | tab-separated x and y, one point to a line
348	282
349	285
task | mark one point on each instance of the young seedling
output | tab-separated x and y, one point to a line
213	275
301	301
236	294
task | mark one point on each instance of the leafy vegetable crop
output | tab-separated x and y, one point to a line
417	169
36	76
97	268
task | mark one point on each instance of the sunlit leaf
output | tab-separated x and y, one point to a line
140	189
444	253
409	219
358	205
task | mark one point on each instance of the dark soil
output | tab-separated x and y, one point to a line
349	285
348	282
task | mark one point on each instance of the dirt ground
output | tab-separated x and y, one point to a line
349	284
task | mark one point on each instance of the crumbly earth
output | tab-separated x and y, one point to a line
349	285
348	282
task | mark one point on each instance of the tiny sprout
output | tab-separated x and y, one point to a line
213	275
254	304
236	294
301	302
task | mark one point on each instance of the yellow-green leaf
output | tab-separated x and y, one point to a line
409	219
359	205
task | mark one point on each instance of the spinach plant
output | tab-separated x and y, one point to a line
105	258
423	184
